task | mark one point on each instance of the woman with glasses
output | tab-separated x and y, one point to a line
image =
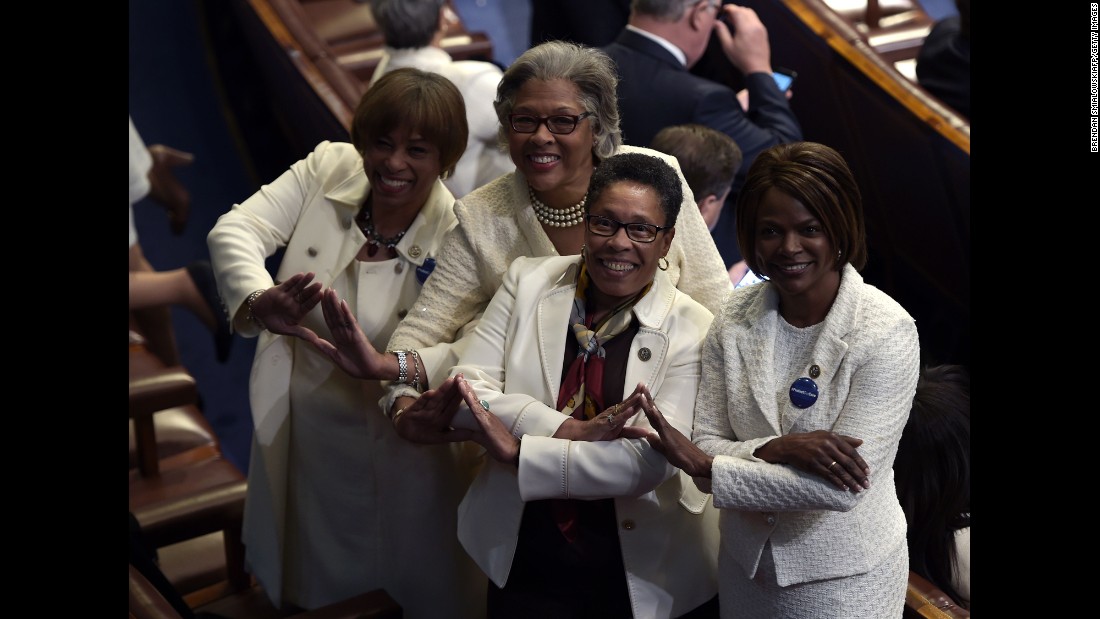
559	118
576	515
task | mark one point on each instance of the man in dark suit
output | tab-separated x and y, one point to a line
654	52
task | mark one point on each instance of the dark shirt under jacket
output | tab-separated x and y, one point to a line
656	91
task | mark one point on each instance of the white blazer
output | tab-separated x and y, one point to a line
667	527
868	357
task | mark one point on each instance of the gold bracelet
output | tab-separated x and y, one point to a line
251	316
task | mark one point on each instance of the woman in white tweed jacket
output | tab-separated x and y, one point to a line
798	373
499	221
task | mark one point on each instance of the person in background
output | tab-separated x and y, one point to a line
943	63
589	22
806	386
654	52
576	515
710	160
337	503
414	31
152	292
932	475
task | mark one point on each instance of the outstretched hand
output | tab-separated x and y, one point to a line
608	425
825	454
350	349
282	308
670	442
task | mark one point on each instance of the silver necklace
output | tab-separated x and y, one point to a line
557	218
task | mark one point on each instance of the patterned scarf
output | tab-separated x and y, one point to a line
581	395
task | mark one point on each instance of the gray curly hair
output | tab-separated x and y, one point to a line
589	68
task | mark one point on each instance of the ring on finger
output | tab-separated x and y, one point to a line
830	467
611	418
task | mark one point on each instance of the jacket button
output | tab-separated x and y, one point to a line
346	223
815	371
644	354
312	251
397	268
770	520
414	251
628	524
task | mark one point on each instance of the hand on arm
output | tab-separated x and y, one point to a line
494	436
825	454
427	419
672	444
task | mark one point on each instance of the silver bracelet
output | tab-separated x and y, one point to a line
402	366
416	374
251	316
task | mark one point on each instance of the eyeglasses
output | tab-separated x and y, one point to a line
638	232
561	124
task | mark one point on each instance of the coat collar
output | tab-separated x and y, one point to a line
645	45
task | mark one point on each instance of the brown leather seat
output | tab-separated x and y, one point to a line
923	599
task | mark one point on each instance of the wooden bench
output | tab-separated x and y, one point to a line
910	155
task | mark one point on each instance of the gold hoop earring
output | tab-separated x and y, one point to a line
662	267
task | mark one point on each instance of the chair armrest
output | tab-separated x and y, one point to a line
161	389
924	599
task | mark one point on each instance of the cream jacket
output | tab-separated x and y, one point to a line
667	527
869	356
329	493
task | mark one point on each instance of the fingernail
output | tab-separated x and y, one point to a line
867	484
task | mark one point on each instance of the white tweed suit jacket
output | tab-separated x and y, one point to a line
869	357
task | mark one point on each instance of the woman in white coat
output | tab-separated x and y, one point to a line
338	504
799	372
576	515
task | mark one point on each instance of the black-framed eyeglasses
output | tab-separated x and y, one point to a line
638	232
561	124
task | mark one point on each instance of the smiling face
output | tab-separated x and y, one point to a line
402	167
618	266
794	252
557	166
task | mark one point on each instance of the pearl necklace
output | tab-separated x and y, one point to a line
557	218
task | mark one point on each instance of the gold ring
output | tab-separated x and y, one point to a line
830	467
611	418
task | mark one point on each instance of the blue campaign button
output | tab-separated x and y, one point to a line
803	392
422	272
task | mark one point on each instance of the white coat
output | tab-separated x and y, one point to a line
337	503
667	527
